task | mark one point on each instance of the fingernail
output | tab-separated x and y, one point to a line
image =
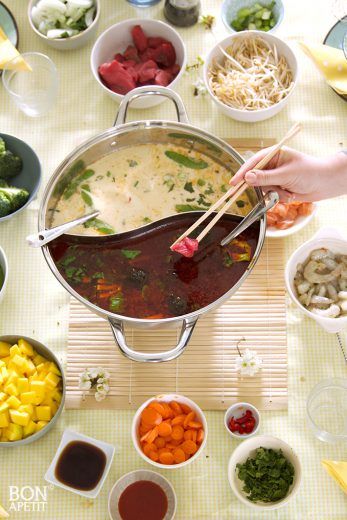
251	177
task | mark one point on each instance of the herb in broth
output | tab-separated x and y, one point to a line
201	182
99	225
116	302
240	203
98	276
189	187
132	163
188	162
71	188
209	190
223	188
147	220
85	194
182	208
130	254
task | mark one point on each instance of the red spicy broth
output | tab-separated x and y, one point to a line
140	277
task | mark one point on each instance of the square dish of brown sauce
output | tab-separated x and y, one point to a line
80	465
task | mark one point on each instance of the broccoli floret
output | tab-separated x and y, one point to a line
5	206
2	146
3	183
17	197
10	164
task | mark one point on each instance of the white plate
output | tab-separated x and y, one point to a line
69	436
300	223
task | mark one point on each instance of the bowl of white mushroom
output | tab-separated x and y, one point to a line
316	279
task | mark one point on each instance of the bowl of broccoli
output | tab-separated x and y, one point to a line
20	175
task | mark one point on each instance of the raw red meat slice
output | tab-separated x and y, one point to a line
147	70
131	53
156	41
116	77
119	57
139	37
186	247
165	54
148	54
174	69
163	78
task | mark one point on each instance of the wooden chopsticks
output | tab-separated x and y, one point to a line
235	191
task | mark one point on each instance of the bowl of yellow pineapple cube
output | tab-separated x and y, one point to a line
32	390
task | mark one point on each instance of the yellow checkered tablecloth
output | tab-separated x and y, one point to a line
36	305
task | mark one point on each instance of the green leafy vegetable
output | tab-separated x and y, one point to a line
85	194
130	254
108	174
75	273
267	477
188	162
240	203
64	262
146	220
71	188
116	302
223	188
182	208
100	225
209	190
201	182
97	276
189	187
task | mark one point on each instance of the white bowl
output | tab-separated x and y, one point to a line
237	410
167	398
4	267
230	8
73	42
116	39
300	223
331	239
135	476
249	116
247	449
70	436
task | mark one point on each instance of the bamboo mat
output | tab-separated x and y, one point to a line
206	372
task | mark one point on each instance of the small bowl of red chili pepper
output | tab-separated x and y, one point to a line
242	420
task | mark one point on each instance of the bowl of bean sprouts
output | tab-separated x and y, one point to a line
251	75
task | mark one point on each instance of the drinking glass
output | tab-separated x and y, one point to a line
34	92
326	409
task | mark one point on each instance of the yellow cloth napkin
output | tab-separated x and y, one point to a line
331	62
337	470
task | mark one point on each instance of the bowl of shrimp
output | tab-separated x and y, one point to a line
316	279
285	219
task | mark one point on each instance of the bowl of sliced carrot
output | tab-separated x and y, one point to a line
169	431
287	218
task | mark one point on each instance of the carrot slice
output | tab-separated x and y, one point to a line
187	435
153	455
158	407
194	435
179	455
151	416
164	429
160	442
186	409
144	428
195	425
152	435
177	433
200	436
166	458
189	447
167	410
189	417
148	448
176	407
179	419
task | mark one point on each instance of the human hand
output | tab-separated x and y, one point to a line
297	176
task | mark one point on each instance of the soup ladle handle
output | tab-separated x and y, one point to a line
117	327
43	237
270	200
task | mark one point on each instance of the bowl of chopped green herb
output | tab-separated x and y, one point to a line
264	472
20	175
240	15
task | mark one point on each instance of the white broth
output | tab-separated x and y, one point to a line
137	185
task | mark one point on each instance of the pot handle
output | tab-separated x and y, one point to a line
151	90
117	327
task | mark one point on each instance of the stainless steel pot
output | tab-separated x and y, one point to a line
122	135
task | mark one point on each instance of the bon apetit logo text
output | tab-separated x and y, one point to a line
28	498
